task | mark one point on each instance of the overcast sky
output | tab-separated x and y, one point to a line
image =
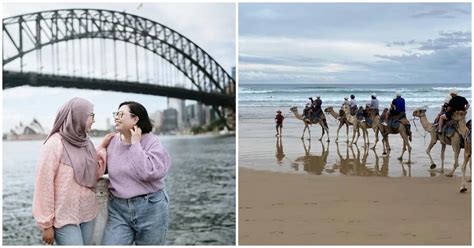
396	43
209	25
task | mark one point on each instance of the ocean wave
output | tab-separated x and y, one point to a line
448	88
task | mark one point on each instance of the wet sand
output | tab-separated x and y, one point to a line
282	209
331	193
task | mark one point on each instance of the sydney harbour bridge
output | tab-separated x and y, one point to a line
112	51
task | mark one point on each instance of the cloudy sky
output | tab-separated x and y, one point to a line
396	43
213	29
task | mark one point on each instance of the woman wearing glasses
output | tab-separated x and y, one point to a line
64	201
137	165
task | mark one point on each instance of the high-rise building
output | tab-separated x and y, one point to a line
179	106
170	120
195	115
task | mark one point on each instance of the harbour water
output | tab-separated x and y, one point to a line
201	186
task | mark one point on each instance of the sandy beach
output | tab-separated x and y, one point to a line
315	193
283	209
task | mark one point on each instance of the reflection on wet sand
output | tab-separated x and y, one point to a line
313	164
279	154
355	165
381	171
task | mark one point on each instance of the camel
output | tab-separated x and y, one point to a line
467	159
374	126
428	127
321	121
342	121
356	125
454	141
313	164
386	130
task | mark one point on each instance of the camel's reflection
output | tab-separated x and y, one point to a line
356	165
311	163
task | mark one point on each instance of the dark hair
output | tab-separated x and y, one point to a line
352	96
373	97
137	109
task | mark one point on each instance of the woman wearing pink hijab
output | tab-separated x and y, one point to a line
64	203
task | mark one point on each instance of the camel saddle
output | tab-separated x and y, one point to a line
448	130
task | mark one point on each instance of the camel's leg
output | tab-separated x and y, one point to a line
376	132
337	132
388	145
403	150
409	149
467	158
456	161
324	126
356	128
367	135
347	132
321	123
470	168
384	144
428	151
309	131
327	131
304	130
443	150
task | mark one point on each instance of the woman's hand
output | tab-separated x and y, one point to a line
136	134
106	140
48	236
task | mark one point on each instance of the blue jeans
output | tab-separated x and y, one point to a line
142	220
75	234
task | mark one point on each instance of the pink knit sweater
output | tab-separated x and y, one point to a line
58	200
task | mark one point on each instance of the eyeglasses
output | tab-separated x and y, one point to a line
120	114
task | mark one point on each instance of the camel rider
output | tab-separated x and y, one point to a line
307	110
374	103
360	113
353	105
398	106
457	103
346	102
444	108
317	110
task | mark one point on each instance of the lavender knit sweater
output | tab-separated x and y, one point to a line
137	169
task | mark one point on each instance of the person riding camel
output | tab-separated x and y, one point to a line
307	111
317	110
346	102
398	106
360	113
353	105
443	110
457	103
374	103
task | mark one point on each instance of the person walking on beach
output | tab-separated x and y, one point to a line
137	164
457	103
64	201
279	123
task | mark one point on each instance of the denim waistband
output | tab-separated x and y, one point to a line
138	197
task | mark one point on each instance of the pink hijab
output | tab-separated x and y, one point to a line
79	152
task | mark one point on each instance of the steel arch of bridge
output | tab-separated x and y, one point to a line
60	25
